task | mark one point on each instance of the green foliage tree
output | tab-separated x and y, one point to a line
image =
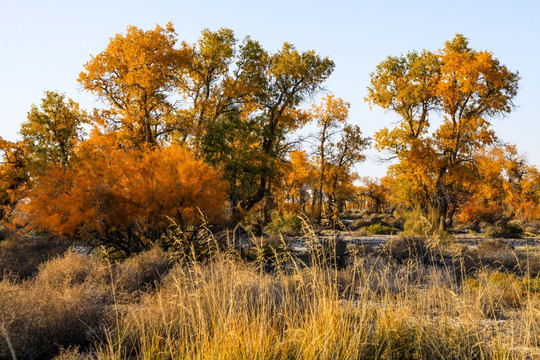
52	131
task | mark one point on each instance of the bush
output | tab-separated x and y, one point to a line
73	268
267	252
142	270
415	222
378	229
288	223
497	292
360	223
506	230
40	318
125	198
21	254
496	254
406	247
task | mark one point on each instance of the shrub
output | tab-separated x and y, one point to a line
505	230
497	292
360	223
267	252
40	318
126	198
288	223
142	270
496	254
416	222
361	250
73	268
378	229
406	247
22	253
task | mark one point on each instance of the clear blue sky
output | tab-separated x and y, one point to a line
44	45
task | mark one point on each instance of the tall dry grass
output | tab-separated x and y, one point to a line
374	308
409	300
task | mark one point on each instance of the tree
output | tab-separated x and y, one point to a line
373	194
221	86
298	182
125	198
329	115
508	187
137	76
521	185
344	155
52	132
13	175
335	157
291	77
465	87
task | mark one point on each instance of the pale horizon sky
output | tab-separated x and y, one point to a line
44	45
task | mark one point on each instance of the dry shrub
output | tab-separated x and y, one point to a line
497	254
496	293
529	264
407	247
360	250
39	318
360	223
22	253
142	270
73	268
506	230
464	260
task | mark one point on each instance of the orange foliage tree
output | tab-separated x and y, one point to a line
298	183
125	198
335	156
509	187
372	195
521	185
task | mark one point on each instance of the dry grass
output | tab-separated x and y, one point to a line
373	309
387	304
21	254
71	302
38	317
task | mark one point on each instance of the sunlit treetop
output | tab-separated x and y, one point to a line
135	76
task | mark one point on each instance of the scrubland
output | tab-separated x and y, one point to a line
413	298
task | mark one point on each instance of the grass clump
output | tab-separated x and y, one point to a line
21	254
288	223
506	230
39	317
378	229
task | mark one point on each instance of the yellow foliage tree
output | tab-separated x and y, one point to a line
52	131
298	182
13	174
465	87
335	156
137	76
